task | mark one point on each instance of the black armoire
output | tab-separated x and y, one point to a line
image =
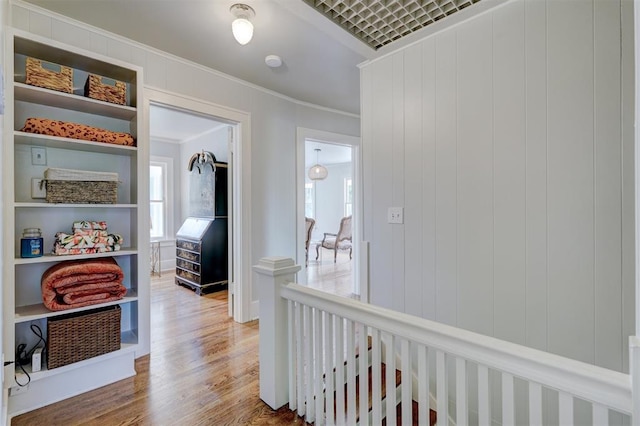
202	242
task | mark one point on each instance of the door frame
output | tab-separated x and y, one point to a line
302	135
240	273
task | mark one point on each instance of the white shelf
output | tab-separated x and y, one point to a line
24	138
45	205
126	345
51	258
39	95
21	276
38	311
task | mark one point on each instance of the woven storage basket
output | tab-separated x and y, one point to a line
105	89
49	75
78	336
68	186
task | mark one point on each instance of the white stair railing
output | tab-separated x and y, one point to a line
309	340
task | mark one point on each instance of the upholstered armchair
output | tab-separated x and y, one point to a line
339	241
308	224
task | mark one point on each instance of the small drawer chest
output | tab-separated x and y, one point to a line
201	258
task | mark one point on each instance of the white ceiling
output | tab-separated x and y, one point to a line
329	153
320	58
176	126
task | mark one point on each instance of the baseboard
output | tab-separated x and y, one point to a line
254	310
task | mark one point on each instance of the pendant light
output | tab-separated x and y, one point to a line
242	27
317	171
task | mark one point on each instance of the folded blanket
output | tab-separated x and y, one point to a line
45	126
77	283
90	225
84	241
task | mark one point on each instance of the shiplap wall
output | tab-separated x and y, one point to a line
509	141
274	118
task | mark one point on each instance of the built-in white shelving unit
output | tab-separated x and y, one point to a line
21	277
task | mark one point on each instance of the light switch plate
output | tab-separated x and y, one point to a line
395	215
38	156
36	191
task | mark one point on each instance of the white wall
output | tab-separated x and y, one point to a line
274	119
509	141
330	199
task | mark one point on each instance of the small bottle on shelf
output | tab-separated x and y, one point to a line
31	243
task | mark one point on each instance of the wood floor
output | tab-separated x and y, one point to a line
328	276
203	370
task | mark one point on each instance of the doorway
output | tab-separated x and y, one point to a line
332	204
224	133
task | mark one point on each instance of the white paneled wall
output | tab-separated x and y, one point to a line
274	118
504	138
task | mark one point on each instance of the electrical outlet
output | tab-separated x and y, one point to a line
38	156
395	215
18	390
38	190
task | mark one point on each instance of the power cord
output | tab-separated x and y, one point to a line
23	357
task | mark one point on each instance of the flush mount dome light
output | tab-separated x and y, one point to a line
242	27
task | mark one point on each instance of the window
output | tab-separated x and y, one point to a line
309	207
160	172
348	197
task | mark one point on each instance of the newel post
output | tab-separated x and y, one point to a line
272	273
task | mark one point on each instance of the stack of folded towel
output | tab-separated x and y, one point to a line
88	237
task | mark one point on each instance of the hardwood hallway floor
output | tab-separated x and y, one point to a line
203	370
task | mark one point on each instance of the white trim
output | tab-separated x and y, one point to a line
302	135
241	203
168	189
100	31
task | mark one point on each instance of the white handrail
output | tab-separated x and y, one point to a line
595	384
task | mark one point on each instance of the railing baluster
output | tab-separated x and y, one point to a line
508	413
423	385
600	414
319	366
300	359
363	363
462	417
405	366
441	388
351	373
535	404
376	378
317	369
340	359
484	411
565	409
329	368
293	357
390	379
308	364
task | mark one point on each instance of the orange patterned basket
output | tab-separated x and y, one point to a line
105	89
49	75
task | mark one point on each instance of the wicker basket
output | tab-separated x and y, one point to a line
81	192
49	75
67	186
105	89
78	336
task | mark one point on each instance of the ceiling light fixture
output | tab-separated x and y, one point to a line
317	171
242	27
